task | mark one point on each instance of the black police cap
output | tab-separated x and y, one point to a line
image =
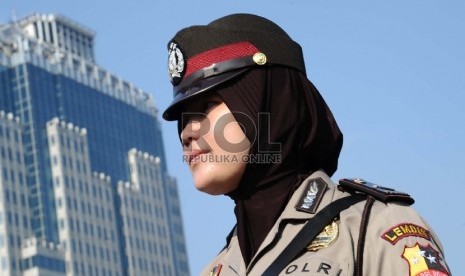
202	57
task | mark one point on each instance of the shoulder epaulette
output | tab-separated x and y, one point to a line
384	194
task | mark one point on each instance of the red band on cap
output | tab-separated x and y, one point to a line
223	53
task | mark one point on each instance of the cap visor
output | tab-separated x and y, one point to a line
173	112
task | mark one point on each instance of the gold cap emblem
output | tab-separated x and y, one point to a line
259	58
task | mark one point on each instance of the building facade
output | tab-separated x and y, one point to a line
84	185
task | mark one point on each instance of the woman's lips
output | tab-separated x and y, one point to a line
194	155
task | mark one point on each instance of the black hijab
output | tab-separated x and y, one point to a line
300	126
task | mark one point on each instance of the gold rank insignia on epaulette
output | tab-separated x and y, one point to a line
384	194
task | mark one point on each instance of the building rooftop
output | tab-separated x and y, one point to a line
53	49
56	17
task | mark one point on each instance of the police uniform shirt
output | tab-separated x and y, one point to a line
398	241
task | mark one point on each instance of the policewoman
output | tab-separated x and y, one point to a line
254	128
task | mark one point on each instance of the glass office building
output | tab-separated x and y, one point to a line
84	188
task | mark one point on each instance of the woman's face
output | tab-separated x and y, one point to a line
214	146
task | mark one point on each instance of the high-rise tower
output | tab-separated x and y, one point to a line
83	181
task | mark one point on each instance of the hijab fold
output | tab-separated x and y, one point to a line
281	112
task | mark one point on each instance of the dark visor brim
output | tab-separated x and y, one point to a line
173	112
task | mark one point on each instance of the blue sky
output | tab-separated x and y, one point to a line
391	71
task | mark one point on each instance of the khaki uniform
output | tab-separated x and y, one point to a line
398	242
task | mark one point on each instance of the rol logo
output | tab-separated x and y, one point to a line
214	133
264	145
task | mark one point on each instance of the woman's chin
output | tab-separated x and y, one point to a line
208	187
216	178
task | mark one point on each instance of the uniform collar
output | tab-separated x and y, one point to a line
291	213
232	259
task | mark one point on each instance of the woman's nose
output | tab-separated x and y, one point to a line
190	132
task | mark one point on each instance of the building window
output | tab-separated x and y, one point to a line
83	207
13	195
7	196
76	267
71	224
3	263
5	174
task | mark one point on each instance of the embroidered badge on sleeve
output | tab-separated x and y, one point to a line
403	230
424	261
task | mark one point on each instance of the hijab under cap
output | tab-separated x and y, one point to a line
300	126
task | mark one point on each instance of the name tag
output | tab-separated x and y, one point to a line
313	267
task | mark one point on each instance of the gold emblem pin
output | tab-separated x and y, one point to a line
325	238
259	58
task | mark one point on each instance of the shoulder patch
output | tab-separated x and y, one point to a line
403	230
384	194
424	260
